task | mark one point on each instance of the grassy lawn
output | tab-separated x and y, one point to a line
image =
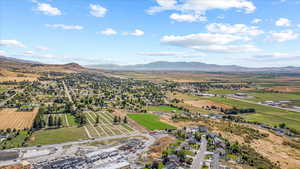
53	136
223	91
265	114
150	121
165	109
273	96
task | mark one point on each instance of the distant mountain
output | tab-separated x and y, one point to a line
193	66
16	60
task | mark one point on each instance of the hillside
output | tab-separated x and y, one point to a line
16	69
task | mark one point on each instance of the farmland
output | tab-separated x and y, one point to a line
106	126
265	114
53	136
150	121
11	118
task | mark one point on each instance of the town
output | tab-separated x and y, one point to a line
89	120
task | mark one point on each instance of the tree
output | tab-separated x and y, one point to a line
282	125
97	119
50	120
116	119
125	119
59	122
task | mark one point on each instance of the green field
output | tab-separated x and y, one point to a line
71	120
265	114
261	96
273	96
150	121
53	136
223	91
165	109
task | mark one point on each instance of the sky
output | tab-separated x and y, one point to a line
252	33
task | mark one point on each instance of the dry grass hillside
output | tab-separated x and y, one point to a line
11	69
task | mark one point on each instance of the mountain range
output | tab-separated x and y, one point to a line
22	65
193	66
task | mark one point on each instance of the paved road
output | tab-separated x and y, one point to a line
74	108
151	139
215	161
67	92
247	101
199	158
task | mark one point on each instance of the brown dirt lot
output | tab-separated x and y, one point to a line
10	118
201	103
159	146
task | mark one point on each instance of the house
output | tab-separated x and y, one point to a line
241	94
171	165
192	141
173	157
202	129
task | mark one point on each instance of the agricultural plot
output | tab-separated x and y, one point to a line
11	118
53	136
165	109
150	121
105	127
265	114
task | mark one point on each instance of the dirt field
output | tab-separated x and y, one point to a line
159	146
201	103
10	118
15	76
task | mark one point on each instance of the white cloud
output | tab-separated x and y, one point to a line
210	42
198	8
137	32
108	32
283	22
47	9
283	36
97	10
42	48
2	53
256	21
234	29
201	39
176	54
186	17
65	27
228	48
12	43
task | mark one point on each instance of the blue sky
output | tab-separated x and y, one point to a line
253	33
